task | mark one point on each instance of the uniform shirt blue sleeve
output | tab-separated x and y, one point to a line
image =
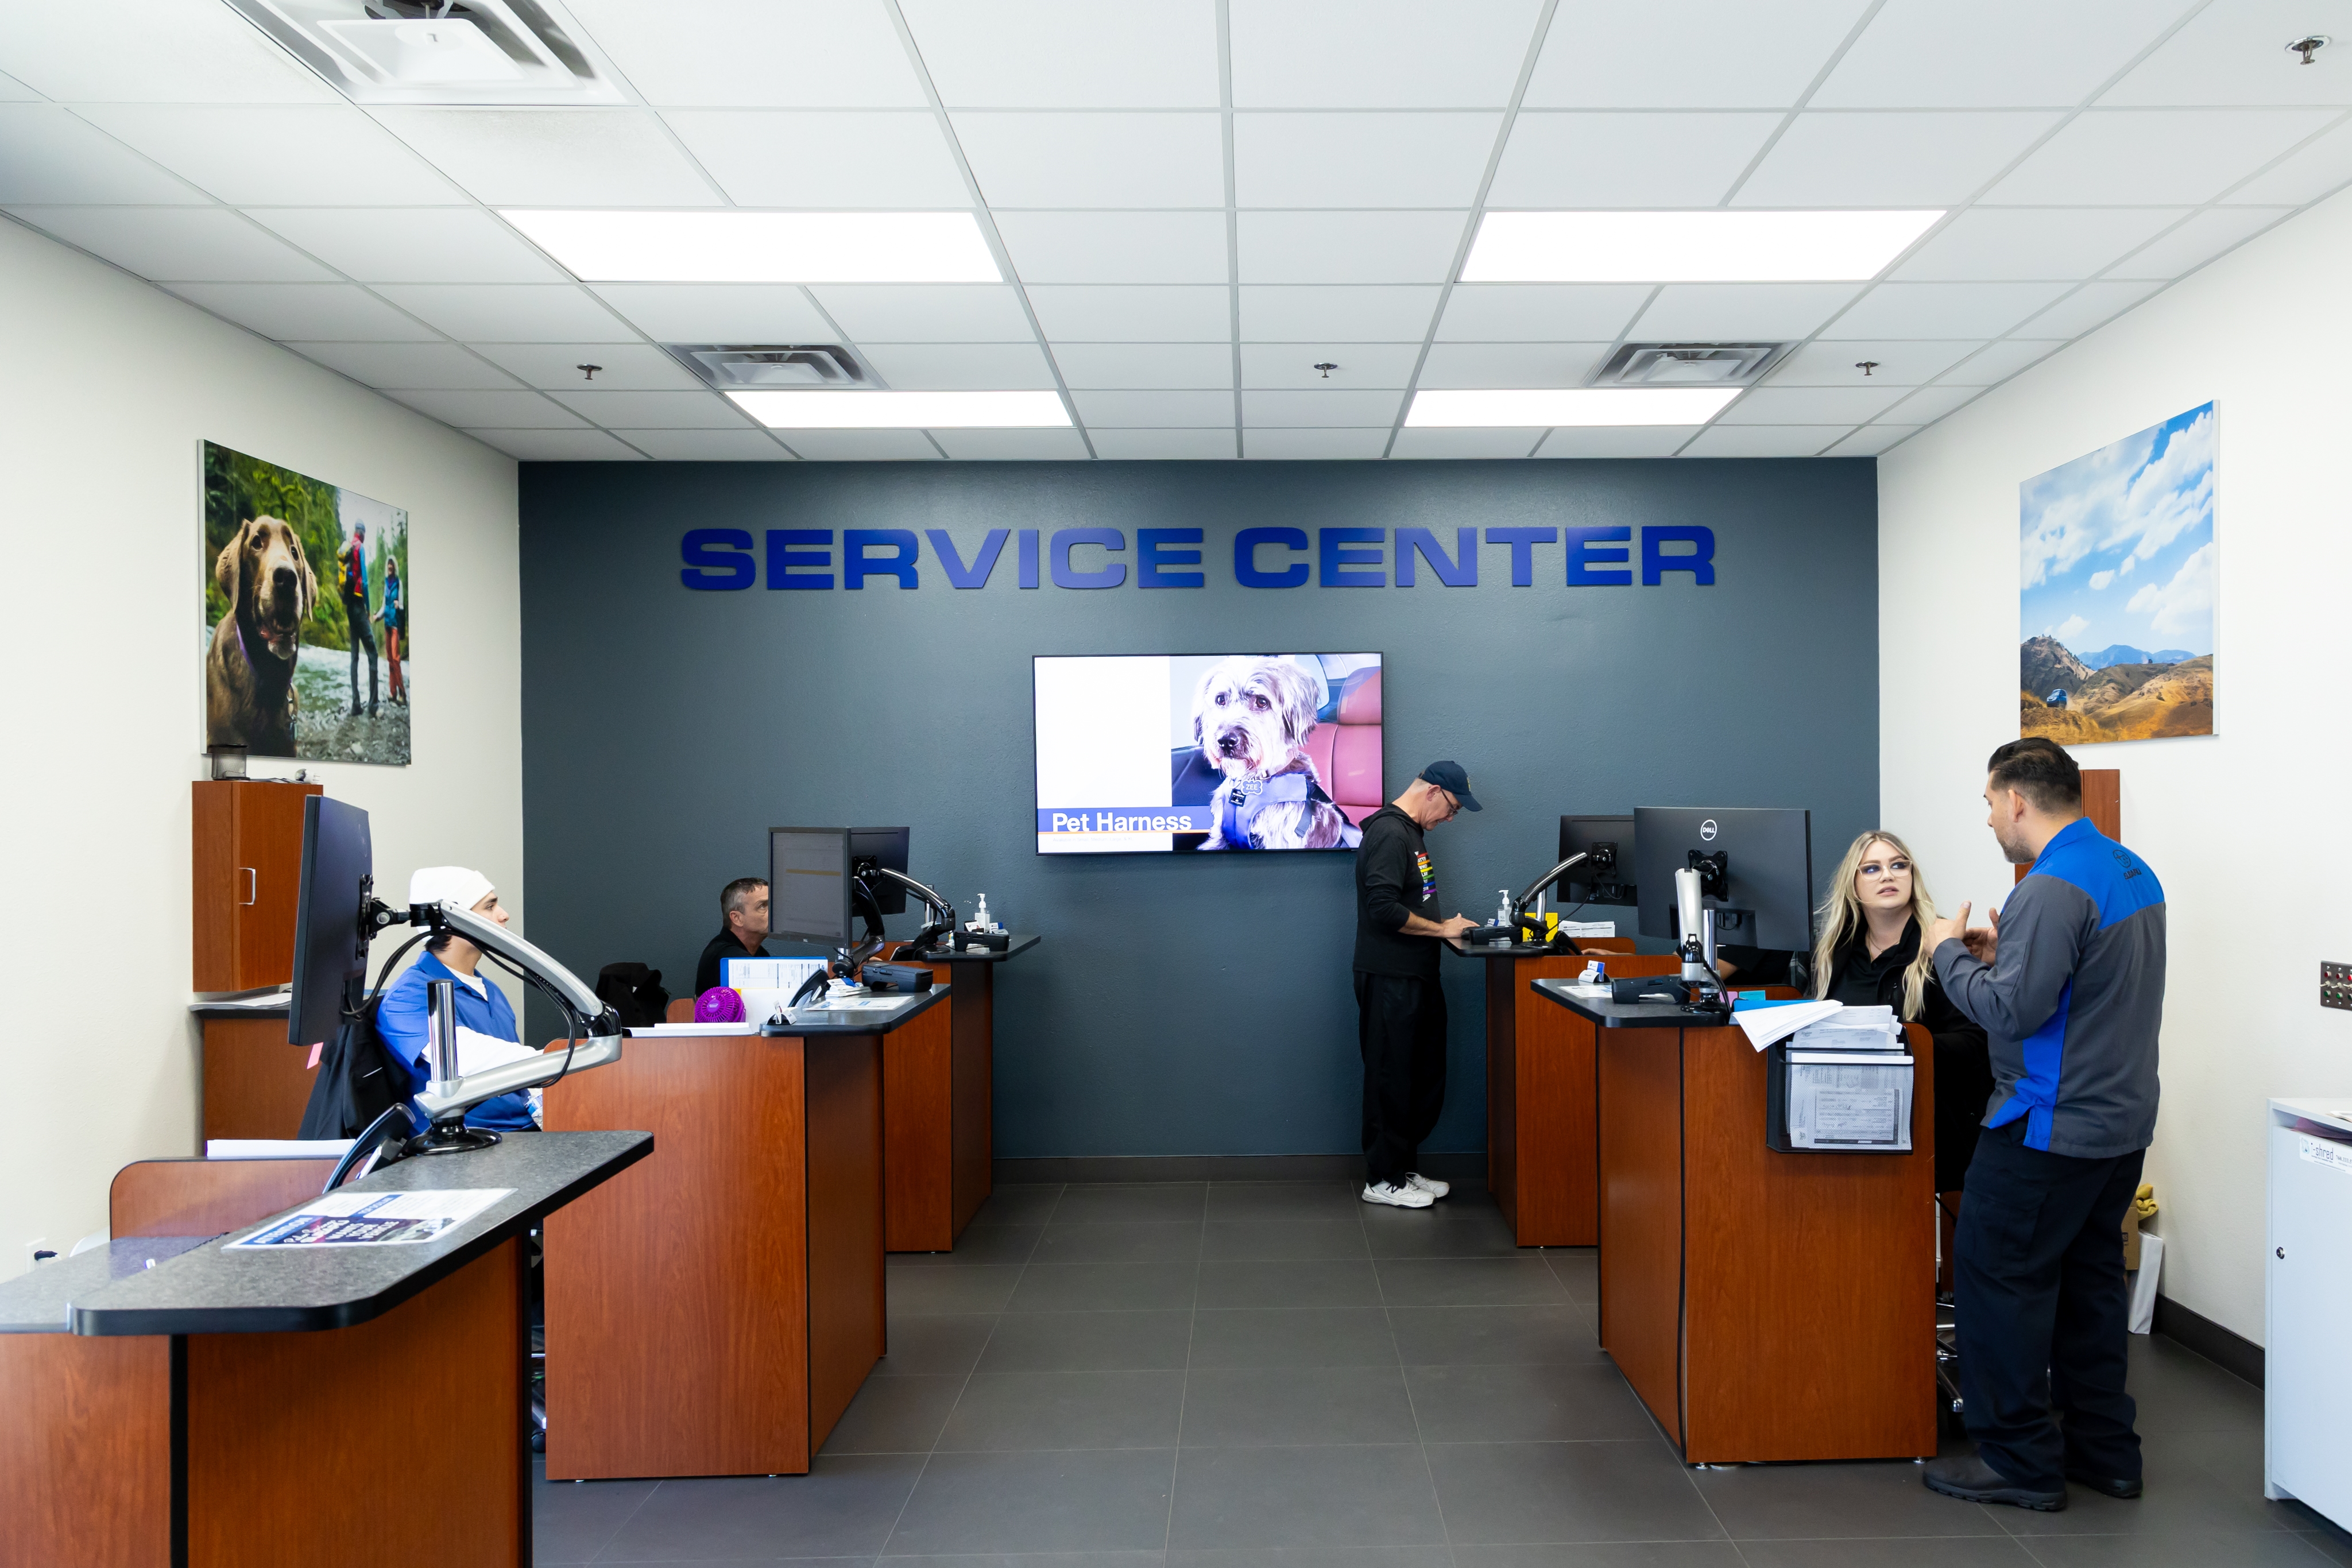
400	1021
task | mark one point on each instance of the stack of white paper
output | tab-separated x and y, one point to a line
1851	1029
1765	1025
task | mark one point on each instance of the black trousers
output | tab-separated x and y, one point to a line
2043	1309
1400	1030
355	612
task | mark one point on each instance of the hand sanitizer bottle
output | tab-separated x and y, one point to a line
1502	907
979	919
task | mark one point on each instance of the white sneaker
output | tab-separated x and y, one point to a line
1397	1196
1429	1185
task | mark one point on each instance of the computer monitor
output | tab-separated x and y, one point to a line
885	847
1760	876
331	936
809	885
1608	876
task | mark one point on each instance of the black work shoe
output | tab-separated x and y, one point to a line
2125	1487
1971	1480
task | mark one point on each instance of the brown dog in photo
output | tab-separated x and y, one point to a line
1251	718
249	669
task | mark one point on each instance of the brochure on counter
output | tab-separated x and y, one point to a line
375	1219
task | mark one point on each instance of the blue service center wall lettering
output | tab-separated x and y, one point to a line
1585	636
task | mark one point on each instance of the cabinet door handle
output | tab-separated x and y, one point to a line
252	884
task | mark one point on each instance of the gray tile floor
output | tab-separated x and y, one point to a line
1232	1375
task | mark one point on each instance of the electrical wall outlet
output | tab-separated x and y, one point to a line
2335	986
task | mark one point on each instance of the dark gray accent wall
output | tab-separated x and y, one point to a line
1180	1005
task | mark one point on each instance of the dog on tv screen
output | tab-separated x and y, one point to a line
1251	716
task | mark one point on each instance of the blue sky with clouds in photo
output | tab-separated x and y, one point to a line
2117	546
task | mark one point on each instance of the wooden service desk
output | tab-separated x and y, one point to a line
939	1079
170	1404
250	1083
1764	1305
1542	1163
713	1314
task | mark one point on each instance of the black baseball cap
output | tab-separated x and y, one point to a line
1449	776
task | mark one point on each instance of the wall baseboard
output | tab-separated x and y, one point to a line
2229	1351
1469	1169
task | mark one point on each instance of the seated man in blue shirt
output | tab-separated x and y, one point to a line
487	1035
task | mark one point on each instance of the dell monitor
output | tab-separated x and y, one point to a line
1608	876
885	847
1757	866
331	933
809	885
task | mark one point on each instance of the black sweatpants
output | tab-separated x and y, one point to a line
2043	1308
1400	1030
355	612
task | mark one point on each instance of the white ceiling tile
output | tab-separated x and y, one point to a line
1765	440
706	445
2305	175
620	367
1282	409
14	92
1617	441
962	367
1419	444
2011	52
1122	313
556	445
2156	156
1313	444
703	410
2233	52
196	243
490	410
153	51
1327	160
317	312
1584	161
1378	54
1348	248
1013	445
1095	160
1116	247
1989	245
2089	307
1867	159
1353	365
311	154
1541	312
1454	365
1697	54
510	313
443	366
1999	361
1068	54
48	155
1741	312
1871	440
554	157
1138	445
1198	366
1944	309
927	312
862	446
829	160
1154	410
1929	404
413	244
1836	362
784	54
1391	314
2204	236
720	312
1842	406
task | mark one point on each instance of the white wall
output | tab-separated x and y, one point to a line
2247	827
108	387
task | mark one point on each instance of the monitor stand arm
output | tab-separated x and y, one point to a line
943	915
1519	904
1697	947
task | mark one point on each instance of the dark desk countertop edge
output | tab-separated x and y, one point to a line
863	1022
1021	944
1612	1015
1521	950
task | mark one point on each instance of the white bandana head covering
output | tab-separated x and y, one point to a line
449	884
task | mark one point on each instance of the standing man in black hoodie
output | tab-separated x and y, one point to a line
1400	1008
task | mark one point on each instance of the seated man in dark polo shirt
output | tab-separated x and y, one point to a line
744	904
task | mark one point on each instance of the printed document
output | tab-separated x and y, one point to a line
375	1219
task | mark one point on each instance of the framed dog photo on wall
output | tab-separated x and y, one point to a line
304	582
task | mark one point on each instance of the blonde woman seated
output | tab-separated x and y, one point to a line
1870	955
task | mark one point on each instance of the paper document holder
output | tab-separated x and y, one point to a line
1832	1100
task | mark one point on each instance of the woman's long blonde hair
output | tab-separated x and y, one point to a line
1842	916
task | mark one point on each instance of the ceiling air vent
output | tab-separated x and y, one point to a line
1689	364
440	51
741	367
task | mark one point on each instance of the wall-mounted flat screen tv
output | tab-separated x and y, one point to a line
1201	753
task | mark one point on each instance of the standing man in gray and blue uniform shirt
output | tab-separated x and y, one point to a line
2068	985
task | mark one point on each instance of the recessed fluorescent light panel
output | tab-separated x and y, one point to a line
904	410
762	248
1551	406
1690	247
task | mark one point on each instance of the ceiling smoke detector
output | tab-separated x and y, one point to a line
1689	364
751	367
439	51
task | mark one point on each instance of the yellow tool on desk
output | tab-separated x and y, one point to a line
1540	930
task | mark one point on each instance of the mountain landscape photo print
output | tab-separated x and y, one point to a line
2118	597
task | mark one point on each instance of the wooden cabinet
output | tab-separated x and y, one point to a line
248	865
